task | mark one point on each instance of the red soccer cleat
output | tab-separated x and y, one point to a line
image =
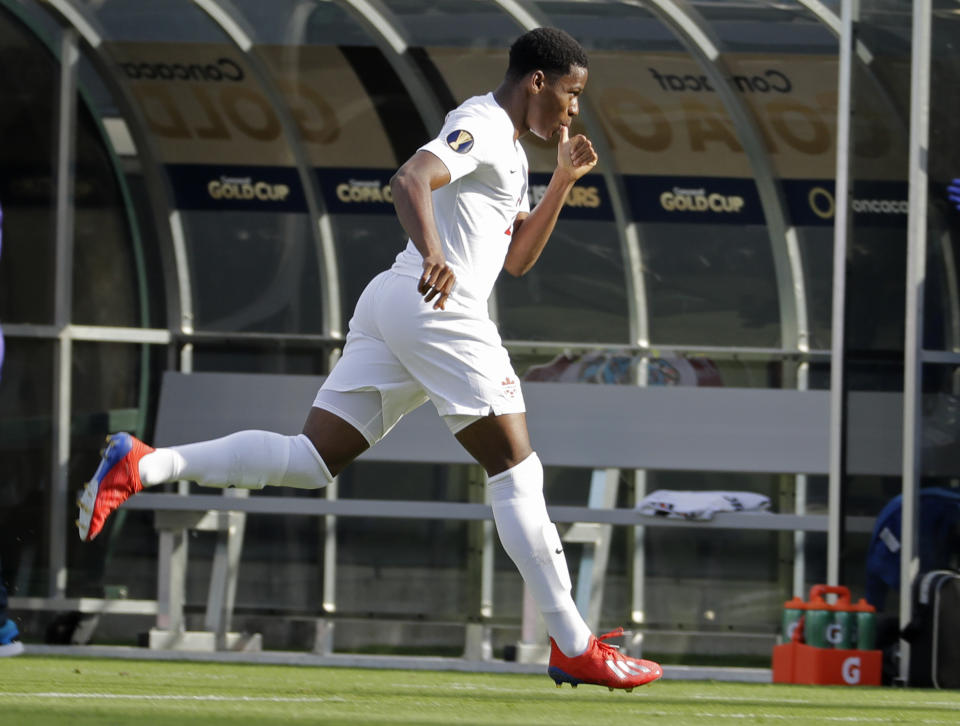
601	665
115	480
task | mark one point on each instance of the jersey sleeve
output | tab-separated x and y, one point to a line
460	144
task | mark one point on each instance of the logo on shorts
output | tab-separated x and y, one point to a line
510	387
460	141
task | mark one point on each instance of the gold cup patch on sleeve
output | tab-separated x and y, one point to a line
460	141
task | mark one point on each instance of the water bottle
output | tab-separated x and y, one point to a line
841	633
866	625
793	611
816	621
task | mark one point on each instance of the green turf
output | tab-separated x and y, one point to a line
42	691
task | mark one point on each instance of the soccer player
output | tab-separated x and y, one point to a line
421	331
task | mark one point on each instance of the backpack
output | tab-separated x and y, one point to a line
939	540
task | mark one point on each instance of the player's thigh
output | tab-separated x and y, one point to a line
366	394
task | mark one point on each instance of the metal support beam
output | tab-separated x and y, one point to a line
913	343
841	230
63	309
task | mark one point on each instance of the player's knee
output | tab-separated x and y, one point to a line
523	479
306	469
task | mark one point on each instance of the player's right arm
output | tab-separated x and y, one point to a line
411	187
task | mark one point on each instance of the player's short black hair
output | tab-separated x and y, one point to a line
550	50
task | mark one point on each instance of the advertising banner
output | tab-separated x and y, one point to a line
221	139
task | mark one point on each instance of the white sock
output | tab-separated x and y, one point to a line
532	541
246	459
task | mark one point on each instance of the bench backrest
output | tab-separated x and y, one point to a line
575	424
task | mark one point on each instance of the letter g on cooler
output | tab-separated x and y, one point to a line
850	670
834	634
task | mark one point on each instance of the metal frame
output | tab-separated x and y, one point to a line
913	342
63	309
841	232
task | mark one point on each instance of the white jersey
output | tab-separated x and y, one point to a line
475	212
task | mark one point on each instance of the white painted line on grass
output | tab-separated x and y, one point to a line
170	697
882	698
792	717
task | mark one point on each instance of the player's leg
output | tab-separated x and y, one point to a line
254	459
330	440
246	459
501	445
456	357
331	437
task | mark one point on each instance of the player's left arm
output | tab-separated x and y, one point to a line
575	157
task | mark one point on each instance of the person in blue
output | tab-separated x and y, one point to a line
9	635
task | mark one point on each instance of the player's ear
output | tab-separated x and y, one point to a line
537	81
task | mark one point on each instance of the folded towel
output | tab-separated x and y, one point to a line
700	505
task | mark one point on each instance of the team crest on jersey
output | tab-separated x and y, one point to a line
460	141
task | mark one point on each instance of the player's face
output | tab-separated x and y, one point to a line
556	102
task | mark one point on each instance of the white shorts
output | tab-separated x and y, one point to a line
401	348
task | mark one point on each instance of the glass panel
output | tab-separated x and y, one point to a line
253	272
942	290
278	357
576	291
150	20
27	191
294	22
106	277
250	244
26	413
711	581
816	250
711	289
877	247
346	101
700	227
384	566
940	427
762	26
606	25
457	23
110	385
664	368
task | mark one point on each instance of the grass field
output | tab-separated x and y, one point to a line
46	690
